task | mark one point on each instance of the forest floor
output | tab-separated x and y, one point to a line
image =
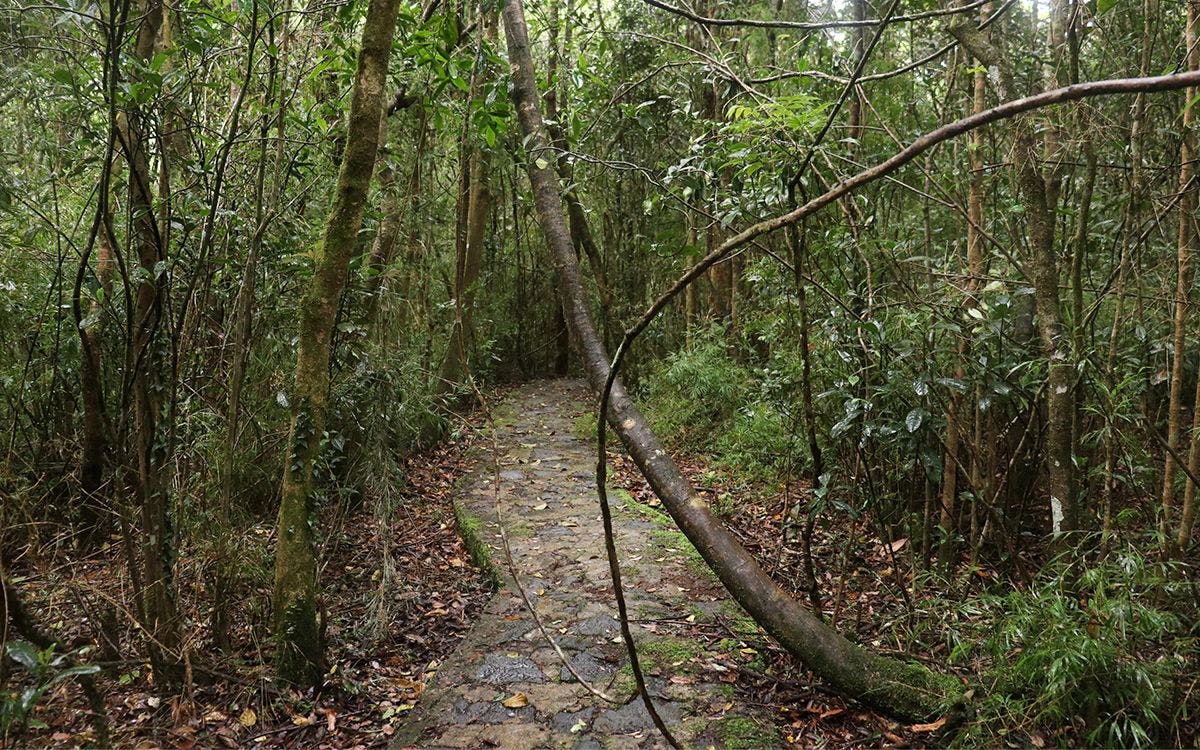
389	625
422	654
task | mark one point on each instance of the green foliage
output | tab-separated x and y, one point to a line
698	390
704	400
46	669
758	440
1099	650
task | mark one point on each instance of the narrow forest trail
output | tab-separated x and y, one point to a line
551	516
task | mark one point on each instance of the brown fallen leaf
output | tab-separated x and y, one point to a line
931	727
248	718
516	700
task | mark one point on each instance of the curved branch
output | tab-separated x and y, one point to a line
954	129
808	25
899	690
884	75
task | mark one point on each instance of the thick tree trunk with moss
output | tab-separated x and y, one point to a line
1040	187
909	691
298	655
1060	399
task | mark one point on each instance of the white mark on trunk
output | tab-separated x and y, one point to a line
1056	515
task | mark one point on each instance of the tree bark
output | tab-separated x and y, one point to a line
146	365
1040	190
1039	216
1187	241
298	656
956	421
469	253
903	690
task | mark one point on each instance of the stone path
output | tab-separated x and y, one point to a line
505	686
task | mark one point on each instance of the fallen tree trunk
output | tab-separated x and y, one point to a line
906	691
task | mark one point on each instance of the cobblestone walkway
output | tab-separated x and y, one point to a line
505	686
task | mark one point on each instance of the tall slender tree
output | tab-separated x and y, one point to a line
146	367
297	630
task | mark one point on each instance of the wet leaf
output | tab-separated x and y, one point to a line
931	727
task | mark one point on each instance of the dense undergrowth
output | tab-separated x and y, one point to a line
1096	646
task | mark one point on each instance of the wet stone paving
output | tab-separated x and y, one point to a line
506	686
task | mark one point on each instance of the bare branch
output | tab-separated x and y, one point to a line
808	25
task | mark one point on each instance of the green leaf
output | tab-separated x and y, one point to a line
79	670
914	419
24	653
541	163
1194	99
1103	6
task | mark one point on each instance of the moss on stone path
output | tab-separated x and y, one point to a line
505	686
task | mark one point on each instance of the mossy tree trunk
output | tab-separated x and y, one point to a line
298	656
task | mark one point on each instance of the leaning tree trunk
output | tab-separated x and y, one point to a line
909	691
298	659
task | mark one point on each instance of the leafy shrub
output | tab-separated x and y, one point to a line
759	440
702	399
47	669
1097	650
698	391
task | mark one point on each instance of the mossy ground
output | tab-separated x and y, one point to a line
667	652
470	527
741	733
